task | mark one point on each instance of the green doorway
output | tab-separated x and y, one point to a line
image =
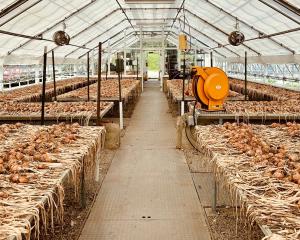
153	67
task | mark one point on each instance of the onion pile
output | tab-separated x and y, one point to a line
293	129
6	129
257	90
279	107
27	93
17	160
175	86
17	108
109	89
278	162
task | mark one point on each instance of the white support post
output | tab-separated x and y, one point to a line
109	58
142	57
125	45
162	67
37	73
182	108
75	69
178	59
121	115
1	75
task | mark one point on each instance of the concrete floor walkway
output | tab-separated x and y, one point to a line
148	192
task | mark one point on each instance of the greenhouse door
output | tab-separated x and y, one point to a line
153	66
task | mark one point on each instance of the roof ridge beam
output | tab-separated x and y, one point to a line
249	26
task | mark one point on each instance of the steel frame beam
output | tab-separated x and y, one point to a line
19	13
38	38
219	30
204	44
54	25
210	38
151	8
99	35
125	14
12	7
277	10
288	6
90	26
179	10
250	26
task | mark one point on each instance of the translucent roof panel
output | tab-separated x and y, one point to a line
208	22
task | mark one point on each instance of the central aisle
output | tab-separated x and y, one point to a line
148	193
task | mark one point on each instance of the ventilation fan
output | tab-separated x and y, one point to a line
61	38
236	37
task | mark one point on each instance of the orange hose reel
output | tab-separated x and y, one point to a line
210	87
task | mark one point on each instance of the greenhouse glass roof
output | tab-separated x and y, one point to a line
207	22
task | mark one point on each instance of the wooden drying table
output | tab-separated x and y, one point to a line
35	118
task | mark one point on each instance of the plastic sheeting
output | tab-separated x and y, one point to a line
208	22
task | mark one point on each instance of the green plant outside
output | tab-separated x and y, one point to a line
153	61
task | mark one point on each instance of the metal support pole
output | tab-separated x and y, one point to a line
178	60
246	80
214	196
162	61
93	63
142	58
137	68
169	67
109	58
183	86
99	84
44	86
54	78
211	59
1	75
88	76
124	50
120	95
106	70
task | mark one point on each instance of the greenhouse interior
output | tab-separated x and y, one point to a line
150	120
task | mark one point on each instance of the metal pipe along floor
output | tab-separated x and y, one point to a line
148	192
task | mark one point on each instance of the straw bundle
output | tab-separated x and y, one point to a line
37	161
257	91
33	93
250	107
260	166
51	109
109	89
